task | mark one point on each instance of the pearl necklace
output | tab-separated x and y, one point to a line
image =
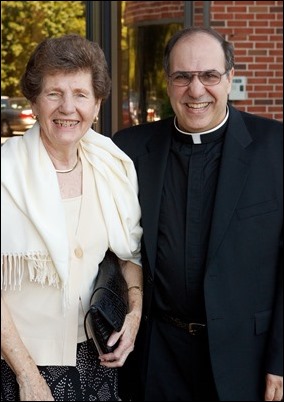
68	170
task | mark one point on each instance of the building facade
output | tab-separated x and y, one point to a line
134	33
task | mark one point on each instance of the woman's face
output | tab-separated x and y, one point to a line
66	107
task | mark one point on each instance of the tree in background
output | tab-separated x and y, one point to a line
26	23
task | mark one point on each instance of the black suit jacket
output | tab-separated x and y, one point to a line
243	285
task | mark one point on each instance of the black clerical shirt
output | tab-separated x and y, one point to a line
184	225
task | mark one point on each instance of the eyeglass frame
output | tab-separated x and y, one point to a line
196	73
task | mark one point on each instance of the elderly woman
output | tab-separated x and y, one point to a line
68	195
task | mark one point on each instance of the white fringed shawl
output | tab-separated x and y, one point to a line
33	220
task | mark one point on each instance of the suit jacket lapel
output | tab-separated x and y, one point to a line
151	180
233	174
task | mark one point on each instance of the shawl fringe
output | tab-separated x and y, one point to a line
39	266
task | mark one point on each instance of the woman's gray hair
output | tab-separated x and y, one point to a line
68	54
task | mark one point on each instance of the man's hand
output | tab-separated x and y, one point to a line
274	388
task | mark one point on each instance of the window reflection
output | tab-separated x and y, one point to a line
142	80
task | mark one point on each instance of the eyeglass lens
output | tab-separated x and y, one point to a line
184	78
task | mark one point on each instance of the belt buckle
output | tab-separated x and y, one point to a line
195	327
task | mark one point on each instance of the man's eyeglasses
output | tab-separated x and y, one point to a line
184	78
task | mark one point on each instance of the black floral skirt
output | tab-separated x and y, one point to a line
88	381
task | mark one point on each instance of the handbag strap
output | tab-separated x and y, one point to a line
85	325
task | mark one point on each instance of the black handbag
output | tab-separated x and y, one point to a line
108	303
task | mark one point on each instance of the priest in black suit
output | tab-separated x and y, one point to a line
210	187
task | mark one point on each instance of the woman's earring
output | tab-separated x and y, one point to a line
96	119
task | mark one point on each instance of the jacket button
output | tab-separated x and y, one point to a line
78	252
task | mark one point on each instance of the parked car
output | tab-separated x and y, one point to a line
16	116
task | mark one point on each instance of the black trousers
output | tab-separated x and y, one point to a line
179	367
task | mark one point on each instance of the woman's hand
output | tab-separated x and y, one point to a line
34	388
126	338
32	385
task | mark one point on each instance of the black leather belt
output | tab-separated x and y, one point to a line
193	328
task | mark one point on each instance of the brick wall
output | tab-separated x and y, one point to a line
256	30
146	11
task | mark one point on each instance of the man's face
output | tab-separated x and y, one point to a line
199	107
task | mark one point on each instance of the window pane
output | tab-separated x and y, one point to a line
143	80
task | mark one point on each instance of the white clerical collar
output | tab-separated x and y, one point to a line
196	137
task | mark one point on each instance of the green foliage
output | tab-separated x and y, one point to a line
26	23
